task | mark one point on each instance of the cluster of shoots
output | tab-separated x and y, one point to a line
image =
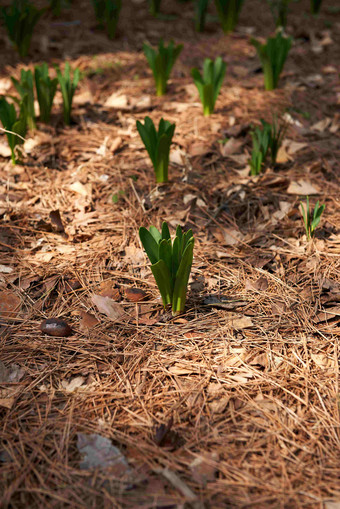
15	124
279	10
200	14
273	55
170	263
154	6
311	217
107	14
228	12
157	144
39	85
267	141
315	6
209	83
161	63
20	18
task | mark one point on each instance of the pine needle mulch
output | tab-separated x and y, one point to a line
235	403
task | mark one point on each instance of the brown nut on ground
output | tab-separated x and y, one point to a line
55	327
134	294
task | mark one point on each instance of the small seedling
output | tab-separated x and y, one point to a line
311	218
266	140
46	89
14	125
25	87
273	56
279	10
209	85
68	86
200	14
170	263
154	6
157	144
20	18
162	62
228	12
315	6
107	14
56	6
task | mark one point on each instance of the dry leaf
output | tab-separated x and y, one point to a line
302	187
87	321
117	101
78	187
73	384
10	304
115	145
109	307
204	468
233	145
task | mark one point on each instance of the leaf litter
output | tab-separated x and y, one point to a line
249	377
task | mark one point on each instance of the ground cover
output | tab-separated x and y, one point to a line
236	402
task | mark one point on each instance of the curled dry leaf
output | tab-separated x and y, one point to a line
10	304
87	321
135	294
109	307
98	452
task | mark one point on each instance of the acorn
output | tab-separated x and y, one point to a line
134	294
55	327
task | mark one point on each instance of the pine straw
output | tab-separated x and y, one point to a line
252	388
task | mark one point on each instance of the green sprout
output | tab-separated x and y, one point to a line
68	86
273	56
15	126
20	18
25	87
311	218
266	140
154	6
157	144
107	14
315	6
200	14
170	263
209	85
228	12
46	89
162	62
279	10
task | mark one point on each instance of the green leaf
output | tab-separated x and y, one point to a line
150	245
165	231
182	278
163	279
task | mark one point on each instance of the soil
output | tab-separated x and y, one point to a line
236	402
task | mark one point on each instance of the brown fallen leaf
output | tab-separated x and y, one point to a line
204	468
109	307
57	221
10	304
260	284
87	321
302	187
108	289
115	145
231	147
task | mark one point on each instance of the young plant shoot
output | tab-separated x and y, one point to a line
311	218
154	6
266	140
20	18
46	89
25	87
279	10
157	144
228	12
200	14
273	56
170	263
13	124
68	86
107	14
209	85
162	62
315	6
